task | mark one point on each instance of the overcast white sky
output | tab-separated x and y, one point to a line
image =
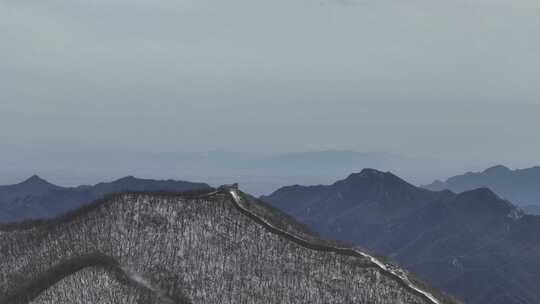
455	79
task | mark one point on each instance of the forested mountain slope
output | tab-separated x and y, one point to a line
473	245
219	247
105	287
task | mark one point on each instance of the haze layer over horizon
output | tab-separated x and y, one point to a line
94	88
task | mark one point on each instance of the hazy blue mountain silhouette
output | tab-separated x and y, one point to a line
36	198
521	187
532	209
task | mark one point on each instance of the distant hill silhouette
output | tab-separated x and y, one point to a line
532	209
521	187
36	198
474	245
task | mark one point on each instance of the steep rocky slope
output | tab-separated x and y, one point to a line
219	247
474	245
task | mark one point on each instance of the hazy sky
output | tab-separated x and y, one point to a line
455	79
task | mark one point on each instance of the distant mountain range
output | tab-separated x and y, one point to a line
36	198
474	245
521	187
258	172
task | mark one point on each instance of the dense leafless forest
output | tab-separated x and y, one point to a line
136	248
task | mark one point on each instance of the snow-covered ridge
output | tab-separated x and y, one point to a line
396	273
196	247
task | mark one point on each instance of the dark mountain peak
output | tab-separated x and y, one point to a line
36	183
122	182
499	169
383	187
483	200
128	181
369	188
34	180
383	180
129	178
480	193
369	172
373	175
